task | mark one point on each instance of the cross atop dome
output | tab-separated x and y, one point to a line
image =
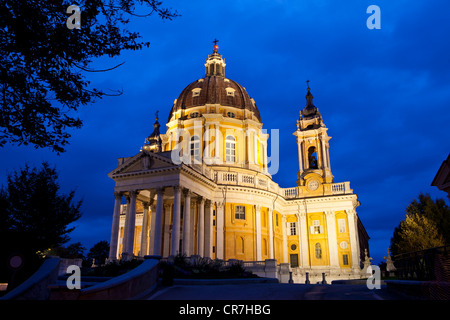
216	47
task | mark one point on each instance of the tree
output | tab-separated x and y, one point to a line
43	63
99	252
426	225
33	213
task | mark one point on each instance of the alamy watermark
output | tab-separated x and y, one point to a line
235	146
374	281
74	21
74	280
374	21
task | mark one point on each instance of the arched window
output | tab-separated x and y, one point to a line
312	158
230	149
195	148
318	251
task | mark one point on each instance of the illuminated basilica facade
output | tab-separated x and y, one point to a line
204	187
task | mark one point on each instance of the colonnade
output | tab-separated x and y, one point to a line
168	231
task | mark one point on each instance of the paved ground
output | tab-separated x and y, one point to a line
272	291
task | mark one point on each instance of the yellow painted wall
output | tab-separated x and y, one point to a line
278	237
293	247
239	232
343	236
321	239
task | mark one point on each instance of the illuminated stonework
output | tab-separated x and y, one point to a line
205	188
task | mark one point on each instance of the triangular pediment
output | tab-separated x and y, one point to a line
144	161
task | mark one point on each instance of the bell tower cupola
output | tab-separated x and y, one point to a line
215	65
313	146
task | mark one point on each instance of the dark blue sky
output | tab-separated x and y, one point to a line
384	95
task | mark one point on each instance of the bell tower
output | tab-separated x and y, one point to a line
313	147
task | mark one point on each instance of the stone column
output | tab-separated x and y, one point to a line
258	232
216	143
157	233
255	150
219	228
207	140
303	240
324	153
125	227
271	252
300	155
208	228
266	165
175	246
144	232
327	147
285	252
201	227
299	235
115	227
332	239
187	223
353	232
167	234
131	223
192	235
151	237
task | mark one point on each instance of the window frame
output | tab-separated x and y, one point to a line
238	214
195	148
318	251
230	149
342	226
292	228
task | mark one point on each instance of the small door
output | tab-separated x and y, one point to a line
294	260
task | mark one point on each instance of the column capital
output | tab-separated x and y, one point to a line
160	190
219	204
133	193
167	205
187	192
258	208
118	194
330	213
145	204
201	200
176	188
350	212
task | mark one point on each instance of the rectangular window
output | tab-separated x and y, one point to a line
239	212
276	219
294	260
341	225
345	259
316	228
292	228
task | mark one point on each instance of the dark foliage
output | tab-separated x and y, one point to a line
99	252
34	216
43	63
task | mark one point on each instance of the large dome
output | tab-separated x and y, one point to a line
214	88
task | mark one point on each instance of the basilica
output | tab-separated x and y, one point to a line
204	187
